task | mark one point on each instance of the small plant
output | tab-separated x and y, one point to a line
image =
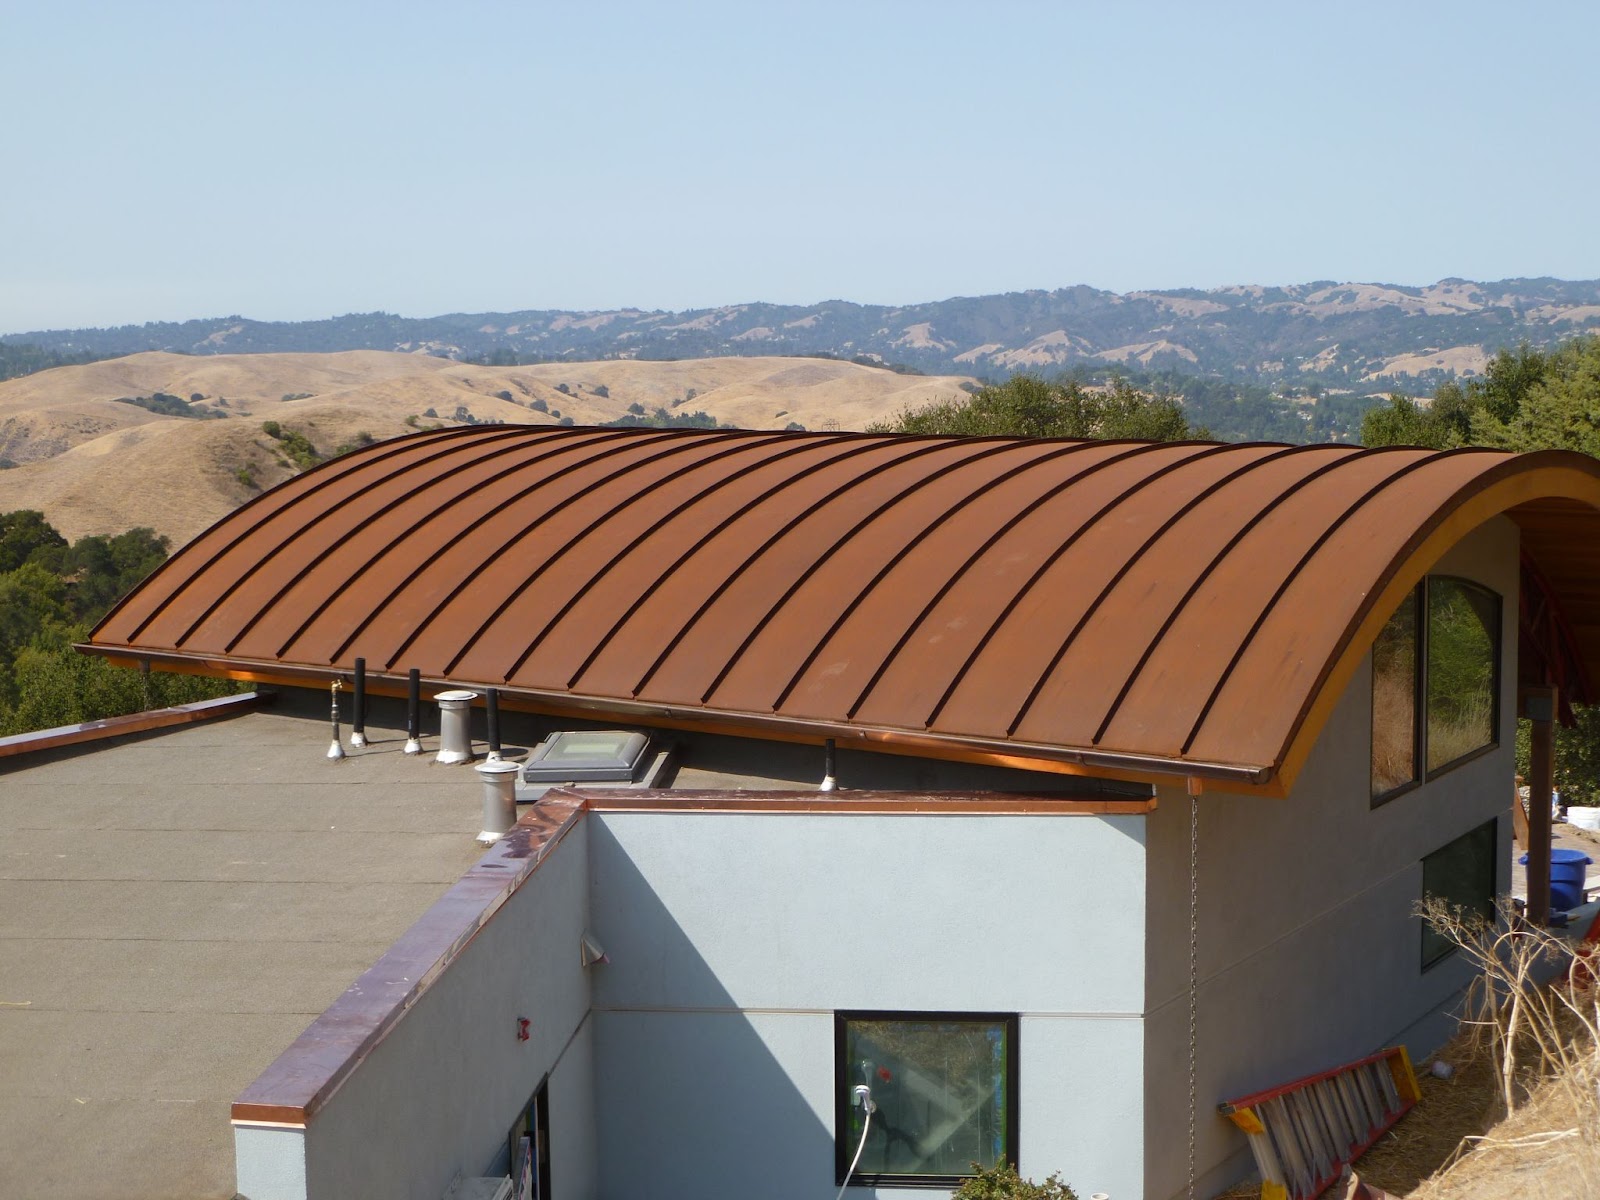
1001	1182
246	478
360	441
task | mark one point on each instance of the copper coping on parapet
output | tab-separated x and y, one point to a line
303	1078
1123	608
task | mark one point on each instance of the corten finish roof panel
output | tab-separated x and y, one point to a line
759	673
618	626
1123	606
878	612
1057	603
1234	581
917	672
1133	617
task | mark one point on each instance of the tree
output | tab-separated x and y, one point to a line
1545	401
1527	399
25	536
51	593
1027	406
1404	422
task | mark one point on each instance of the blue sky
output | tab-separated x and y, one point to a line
290	161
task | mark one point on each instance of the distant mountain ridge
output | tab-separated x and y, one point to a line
1348	336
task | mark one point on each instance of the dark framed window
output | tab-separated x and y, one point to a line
1462	874
944	1087
1435	684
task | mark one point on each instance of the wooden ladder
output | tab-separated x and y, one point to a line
1304	1133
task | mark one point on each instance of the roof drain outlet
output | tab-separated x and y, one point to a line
455	727
414	711
829	782
499	798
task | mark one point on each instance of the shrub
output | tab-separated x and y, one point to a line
538	405
1001	1182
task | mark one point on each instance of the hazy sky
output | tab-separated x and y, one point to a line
289	161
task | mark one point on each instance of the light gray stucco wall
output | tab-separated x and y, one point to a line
734	938
1308	953
437	1096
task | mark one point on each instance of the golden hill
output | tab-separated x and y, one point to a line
94	465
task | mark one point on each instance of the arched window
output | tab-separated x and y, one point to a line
1435	683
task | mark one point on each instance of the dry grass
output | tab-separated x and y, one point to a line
1520	1117
96	466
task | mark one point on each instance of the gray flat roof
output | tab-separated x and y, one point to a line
174	910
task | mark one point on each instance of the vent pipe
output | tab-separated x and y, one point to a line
455	727
830	782
491	709
336	750
358	706
414	711
499	798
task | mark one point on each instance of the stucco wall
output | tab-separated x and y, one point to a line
437	1096
1308	953
734	938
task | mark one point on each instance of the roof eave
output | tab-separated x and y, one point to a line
1142	768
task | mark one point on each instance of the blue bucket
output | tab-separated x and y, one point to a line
1568	870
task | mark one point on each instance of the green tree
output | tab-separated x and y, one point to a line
25	536
1404	422
1028	406
49	600
1555	407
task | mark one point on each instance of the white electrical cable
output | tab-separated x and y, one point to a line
860	1146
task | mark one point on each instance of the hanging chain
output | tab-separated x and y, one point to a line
1194	969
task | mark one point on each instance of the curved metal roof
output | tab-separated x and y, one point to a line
1120	607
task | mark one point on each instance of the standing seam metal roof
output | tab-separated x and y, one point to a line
1101	604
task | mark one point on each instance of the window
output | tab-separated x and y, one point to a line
945	1087
1461	873
1435	683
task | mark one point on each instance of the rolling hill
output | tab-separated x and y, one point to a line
94	463
1356	337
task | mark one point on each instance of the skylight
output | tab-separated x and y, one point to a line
586	756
